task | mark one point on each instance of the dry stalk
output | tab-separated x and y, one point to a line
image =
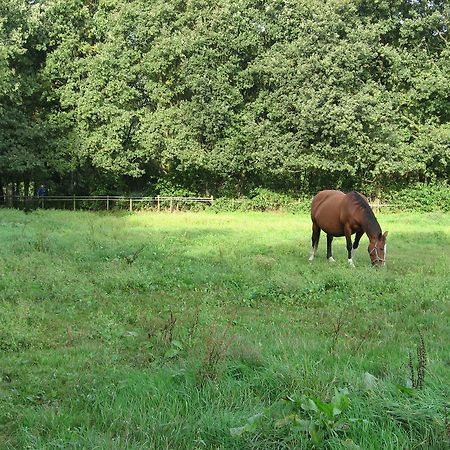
337	328
130	259
167	330
422	361
217	347
417	376
193	328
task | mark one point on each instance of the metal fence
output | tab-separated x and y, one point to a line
102	202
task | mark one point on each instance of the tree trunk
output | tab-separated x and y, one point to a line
241	183
15	193
26	187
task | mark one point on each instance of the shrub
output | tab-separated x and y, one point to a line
262	199
421	197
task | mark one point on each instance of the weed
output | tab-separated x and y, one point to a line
70	337
363	339
192	331
42	242
164	335
447	421
167	329
131	258
337	329
417	373
217	346
318	419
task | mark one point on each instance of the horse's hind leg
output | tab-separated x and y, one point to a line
348	238
329	251
314	240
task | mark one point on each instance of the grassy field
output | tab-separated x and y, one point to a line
166	331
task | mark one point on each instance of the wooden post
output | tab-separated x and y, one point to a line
74	202
171	204
157	201
131	204
376	205
107	203
212	199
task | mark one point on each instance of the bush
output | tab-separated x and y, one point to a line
262	199
169	188
421	197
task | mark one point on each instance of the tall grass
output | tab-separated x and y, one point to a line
139	331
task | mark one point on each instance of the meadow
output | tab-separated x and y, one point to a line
213	331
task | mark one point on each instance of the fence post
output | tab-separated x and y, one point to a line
74	202
212	199
171	204
376	205
159	205
107	203
131	204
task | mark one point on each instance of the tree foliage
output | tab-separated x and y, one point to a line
222	96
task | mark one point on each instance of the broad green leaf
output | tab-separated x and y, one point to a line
406	390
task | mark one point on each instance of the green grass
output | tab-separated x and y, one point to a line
88	360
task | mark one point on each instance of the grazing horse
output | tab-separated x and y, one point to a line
340	214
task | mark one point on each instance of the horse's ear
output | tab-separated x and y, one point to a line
385	234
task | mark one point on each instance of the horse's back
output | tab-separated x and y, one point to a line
326	211
326	200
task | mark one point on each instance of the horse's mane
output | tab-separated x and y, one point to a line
362	203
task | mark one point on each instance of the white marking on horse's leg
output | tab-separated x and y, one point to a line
331	259
350	262
313	253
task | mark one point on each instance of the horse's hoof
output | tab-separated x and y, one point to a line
350	263
331	259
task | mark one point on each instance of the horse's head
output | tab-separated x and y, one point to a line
377	249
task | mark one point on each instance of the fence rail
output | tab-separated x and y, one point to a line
109	202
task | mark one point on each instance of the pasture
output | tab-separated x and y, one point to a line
165	331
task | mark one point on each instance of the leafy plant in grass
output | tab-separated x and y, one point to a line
320	420
131	258
217	346
416	372
41	243
165	336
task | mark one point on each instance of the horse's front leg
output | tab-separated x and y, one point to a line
356	241
348	238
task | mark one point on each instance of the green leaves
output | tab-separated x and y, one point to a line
176	347
230	94
249	427
406	390
319	419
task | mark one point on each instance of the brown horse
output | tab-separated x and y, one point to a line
340	214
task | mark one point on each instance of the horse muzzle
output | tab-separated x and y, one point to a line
378	264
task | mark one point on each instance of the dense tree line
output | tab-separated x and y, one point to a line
223	96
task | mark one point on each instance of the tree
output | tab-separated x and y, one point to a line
223	96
